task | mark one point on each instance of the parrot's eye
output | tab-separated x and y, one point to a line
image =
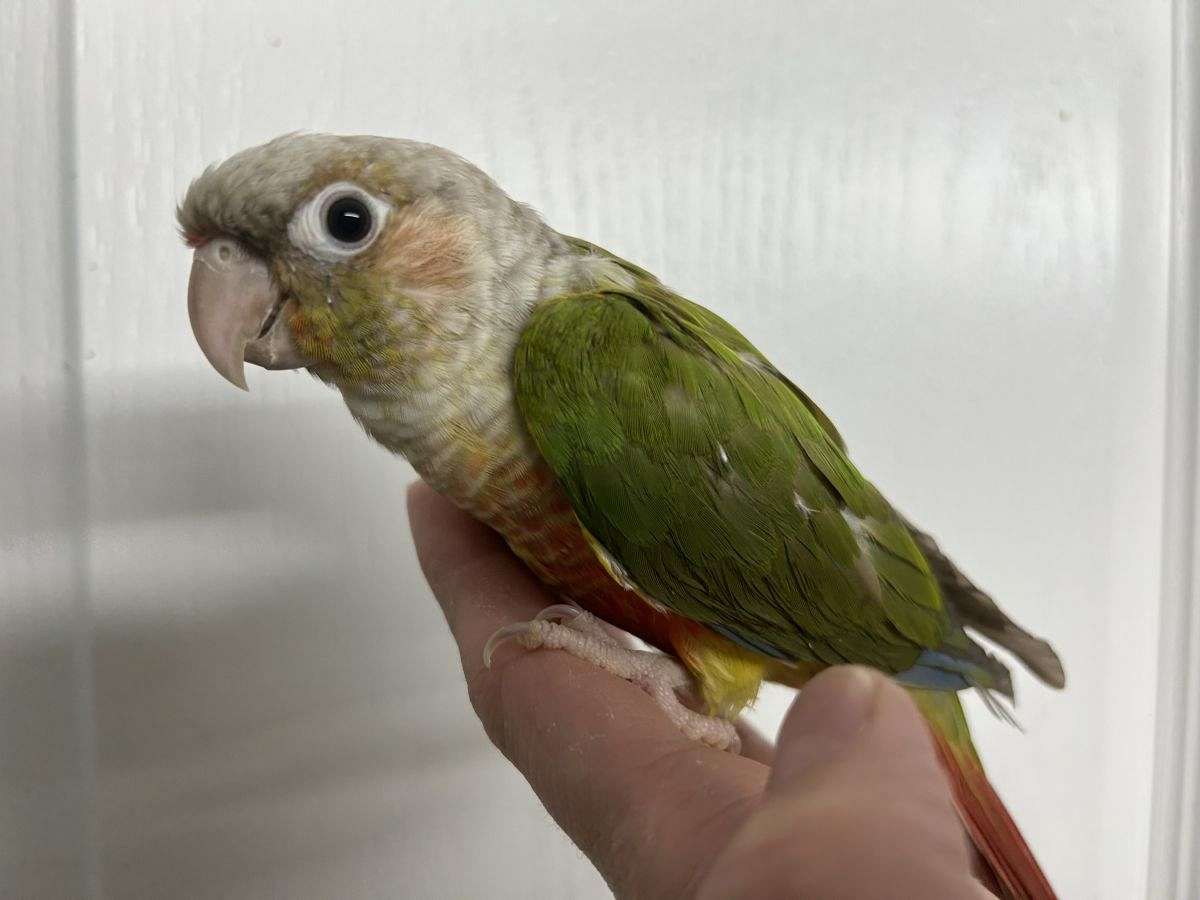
341	221
348	220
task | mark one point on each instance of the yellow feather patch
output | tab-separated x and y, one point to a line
728	676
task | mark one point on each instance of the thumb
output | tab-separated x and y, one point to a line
826	722
849	721
856	806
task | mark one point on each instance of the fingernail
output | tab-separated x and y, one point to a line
825	720
839	703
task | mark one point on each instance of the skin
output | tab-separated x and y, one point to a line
817	816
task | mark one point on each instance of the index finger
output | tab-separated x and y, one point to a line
644	802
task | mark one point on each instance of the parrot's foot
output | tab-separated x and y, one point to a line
569	628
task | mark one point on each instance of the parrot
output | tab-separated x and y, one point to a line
639	454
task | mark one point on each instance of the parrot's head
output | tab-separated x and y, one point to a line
364	259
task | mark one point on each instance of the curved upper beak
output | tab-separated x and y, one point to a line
238	314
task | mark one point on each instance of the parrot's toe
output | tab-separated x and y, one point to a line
662	681
569	628
535	633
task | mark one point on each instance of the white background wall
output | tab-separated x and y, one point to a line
220	672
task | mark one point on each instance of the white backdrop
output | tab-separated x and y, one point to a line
221	674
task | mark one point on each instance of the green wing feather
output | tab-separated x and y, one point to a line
720	329
718	486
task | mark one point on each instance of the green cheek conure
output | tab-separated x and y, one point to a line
633	448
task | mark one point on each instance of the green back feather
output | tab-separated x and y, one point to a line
718	486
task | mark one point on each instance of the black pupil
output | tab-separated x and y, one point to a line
348	220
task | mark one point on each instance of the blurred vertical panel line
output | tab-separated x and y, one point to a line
1174	869
76	450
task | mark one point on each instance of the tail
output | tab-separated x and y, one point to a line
995	835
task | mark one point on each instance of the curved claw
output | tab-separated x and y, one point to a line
516	629
562	612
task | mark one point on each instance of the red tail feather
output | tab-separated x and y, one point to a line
1003	850
995	835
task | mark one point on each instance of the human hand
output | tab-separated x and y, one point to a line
851	803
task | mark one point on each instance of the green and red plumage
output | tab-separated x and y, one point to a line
634	449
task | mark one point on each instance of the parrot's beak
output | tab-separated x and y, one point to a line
238	314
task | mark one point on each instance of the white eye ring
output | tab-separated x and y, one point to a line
309	231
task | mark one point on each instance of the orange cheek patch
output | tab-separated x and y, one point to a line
425	248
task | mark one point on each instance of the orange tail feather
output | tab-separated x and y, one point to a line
1001	846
